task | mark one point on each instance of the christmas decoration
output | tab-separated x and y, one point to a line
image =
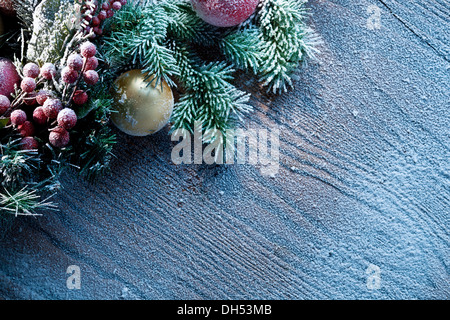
142	107
226	13
70	68
9	77
168	39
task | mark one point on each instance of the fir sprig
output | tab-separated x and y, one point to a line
25	180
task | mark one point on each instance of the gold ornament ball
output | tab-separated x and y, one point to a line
141	108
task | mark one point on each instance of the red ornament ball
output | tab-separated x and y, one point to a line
39	116
18	117
225	13
9	77
59	137
67	118
26	129
52	107
29	143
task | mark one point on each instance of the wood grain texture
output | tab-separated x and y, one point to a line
363	180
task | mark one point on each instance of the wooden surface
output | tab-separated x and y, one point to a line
363	185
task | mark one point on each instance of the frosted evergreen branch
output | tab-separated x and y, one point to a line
25	202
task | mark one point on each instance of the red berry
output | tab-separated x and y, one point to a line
28	84
52	107
226	13
39	116
90	77
26	129
42	95
102	15
109	13
105	6
30	98
88	49
80	97
67	118
8	77
18	117
59	137
29	143
91	63
116	5
98	31
68	75
31	70
123	2
75	62
95	21
4	104
48	71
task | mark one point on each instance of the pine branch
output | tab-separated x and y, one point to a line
25	202
25	180
186	26
288	41
138	38
210	97
243	48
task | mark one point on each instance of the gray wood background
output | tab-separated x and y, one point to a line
363	185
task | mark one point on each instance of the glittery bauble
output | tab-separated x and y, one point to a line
142	109
224	13
8	77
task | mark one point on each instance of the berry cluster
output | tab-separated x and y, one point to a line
94	14
80	66
33	110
